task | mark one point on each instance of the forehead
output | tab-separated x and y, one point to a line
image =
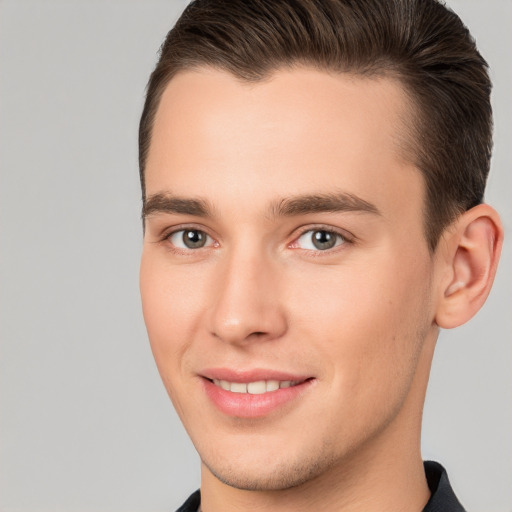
299	131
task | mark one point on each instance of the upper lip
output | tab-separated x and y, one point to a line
252	375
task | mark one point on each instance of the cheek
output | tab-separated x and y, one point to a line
171	299
366	321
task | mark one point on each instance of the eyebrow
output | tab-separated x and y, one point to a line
286	207
320	203
168	203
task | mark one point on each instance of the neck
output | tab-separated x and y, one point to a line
385	475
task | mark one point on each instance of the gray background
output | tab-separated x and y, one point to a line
85	422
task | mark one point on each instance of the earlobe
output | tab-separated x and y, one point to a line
473	249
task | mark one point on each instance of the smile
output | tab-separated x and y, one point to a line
255	388
254	394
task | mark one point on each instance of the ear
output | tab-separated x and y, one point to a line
471	250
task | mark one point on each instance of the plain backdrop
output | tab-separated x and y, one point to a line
85	422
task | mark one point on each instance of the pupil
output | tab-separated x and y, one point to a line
194	239
323	240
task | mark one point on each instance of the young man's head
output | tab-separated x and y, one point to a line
312	174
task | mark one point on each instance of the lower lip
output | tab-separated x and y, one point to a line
245	405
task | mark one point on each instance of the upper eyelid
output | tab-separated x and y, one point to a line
344	239
349	237
167	232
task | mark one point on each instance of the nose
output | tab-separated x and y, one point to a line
246	300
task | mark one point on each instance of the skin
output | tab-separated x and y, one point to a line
361	318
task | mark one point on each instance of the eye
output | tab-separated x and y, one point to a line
319	240
189	239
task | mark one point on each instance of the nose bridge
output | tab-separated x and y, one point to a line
246	296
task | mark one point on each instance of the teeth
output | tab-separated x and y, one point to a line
255	388
272	385
238	387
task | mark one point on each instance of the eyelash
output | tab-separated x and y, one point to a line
166	239
343	236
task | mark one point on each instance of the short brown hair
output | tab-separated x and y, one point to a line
420	42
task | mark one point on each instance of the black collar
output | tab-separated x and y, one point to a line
443	498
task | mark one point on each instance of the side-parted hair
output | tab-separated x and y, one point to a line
420	43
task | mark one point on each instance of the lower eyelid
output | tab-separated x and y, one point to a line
341	239
209	240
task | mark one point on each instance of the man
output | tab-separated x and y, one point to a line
313	175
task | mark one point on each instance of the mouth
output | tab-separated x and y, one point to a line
258	387
251	395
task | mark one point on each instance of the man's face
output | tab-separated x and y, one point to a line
286	281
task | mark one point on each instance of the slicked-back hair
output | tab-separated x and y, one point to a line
420	43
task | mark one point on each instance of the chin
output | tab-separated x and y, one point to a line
277	475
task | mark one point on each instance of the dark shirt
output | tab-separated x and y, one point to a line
442	497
